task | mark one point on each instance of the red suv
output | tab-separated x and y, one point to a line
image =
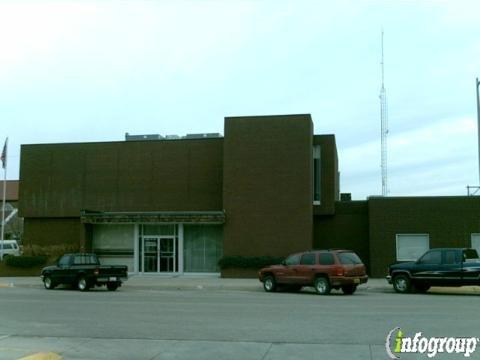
322	269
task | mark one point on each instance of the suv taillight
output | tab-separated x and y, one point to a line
340	271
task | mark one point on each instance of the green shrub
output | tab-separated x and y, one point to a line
248	262
25	261
49	250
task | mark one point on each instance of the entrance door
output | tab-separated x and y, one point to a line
167	255
150	254
160	254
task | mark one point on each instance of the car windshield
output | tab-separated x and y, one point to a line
349	258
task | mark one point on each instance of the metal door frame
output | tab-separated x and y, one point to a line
158	239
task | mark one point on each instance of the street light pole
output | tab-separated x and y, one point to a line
477	83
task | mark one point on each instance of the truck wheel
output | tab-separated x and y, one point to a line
322	285
112	286
269	283
349	289
82	284
48	283
402	284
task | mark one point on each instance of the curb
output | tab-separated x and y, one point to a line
254	287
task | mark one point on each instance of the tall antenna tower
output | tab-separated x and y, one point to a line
384	129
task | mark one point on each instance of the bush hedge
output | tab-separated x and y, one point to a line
25	261
248	262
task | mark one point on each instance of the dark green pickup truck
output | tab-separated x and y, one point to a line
83	271
437	267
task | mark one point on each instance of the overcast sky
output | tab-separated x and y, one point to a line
93	70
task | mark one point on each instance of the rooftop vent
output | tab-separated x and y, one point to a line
129	137
345	197
202	136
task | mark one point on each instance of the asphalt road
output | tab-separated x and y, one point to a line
218	324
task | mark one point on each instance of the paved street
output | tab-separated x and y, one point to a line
141	323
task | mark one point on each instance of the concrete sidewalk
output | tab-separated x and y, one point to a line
198	282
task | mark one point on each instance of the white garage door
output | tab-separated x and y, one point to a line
411	246
476	242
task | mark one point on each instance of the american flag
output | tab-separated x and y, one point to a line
4	155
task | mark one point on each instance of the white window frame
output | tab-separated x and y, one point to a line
410	234
317	154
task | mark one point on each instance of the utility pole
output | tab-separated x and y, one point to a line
477	84
4	166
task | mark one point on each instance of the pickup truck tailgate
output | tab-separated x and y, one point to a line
115	270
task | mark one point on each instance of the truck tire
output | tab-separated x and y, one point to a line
322	285
402	283
112	286
48	282
82	284
269	283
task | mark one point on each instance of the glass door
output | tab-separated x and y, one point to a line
167	255
160	254
150	254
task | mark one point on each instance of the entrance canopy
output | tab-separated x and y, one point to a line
106	217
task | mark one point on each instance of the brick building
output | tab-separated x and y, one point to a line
269	186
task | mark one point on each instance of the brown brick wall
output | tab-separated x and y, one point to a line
53	231
347	229
449	221
58	180
267	185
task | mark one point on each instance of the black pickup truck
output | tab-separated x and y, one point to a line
83	271
437	267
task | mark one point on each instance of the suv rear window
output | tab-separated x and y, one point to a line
349	258
326	259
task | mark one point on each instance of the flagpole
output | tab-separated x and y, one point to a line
4	196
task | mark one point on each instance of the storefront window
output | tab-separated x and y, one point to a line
203	247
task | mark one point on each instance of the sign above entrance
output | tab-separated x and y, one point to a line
203	217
